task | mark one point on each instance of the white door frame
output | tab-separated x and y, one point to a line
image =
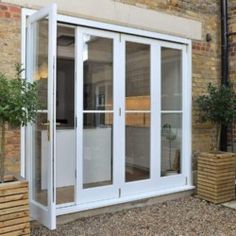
45	214
182	178
140	186
187	106
107	191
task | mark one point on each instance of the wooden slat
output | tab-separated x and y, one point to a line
7	205
25	231
216	162
14	222
216	155
217	175
9	198
14	215
212	180
215	188
14	209
214	184
216	201
13	185
216	167
213	192
13	191
14	228
215	196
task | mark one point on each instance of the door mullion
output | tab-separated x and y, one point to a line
155	112
79	111
120	91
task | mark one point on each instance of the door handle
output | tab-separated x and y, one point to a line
47	124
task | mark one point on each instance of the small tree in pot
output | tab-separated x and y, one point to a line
18	106
216	170
218	107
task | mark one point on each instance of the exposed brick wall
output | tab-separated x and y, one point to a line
9	56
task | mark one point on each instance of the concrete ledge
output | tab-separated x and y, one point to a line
110	11
124	206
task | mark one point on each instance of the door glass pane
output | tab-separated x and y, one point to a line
137	129
137	76
137	148
98	73
171	144
97	149
40	60
171	79
65	115
40	155
40	143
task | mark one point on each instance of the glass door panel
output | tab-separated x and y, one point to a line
65	116
41	32
171	110
97	150
98	96
172	133
97	114
137	123
137	101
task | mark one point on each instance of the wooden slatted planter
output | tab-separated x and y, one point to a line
14	209
216	177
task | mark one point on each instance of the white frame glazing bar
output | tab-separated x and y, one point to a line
107	191
46	215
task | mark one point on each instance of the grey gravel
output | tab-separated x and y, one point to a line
187	216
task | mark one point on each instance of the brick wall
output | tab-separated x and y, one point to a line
9	56
205	58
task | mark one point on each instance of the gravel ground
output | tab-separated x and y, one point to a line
186	216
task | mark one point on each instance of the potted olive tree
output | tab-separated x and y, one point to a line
216	169
18	106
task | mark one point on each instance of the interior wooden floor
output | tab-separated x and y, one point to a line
66	194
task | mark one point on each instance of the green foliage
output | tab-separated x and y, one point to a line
18	106
219	106
18	100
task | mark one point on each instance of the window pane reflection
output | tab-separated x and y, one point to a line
137	76
171	79
97	149
98	73
171	144
137	149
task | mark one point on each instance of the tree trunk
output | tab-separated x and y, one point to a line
218	133
2	153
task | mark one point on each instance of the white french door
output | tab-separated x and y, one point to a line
97	114
140	123
132	116
131	112
41	138
174	116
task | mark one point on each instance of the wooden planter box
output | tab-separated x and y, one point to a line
14	209
216	177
